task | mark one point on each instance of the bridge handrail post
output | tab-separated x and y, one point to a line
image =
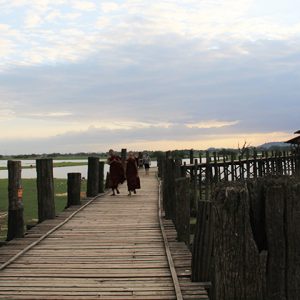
182	213
15	222
45	189
74	188
93	176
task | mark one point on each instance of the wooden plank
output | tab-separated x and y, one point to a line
111	248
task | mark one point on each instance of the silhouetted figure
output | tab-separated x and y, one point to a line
146	162
133	180
116	172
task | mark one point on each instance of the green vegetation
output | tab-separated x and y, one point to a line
55	165
56	156
30	199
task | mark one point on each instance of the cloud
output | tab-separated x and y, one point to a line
99	139
223	29
6	114
108	7
84	5
6	47
211	124
210	21
49	114
57	15
145	72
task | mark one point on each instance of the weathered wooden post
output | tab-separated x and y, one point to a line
74	188
93	177
285	160
203	243
159	166
248	171
292	225
176	174
182	209
168	187
225	167
273	163
241	167
193	189
260	166
233	175
207	176
297	161
15	223
266	165
177	167
293	162
255	163
235	274
101	177
274	207
279	166
216	169
45	189
183	170
191	156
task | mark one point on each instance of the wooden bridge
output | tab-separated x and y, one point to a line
108	248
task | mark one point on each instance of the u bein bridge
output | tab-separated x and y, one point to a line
216	228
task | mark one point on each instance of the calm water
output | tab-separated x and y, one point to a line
61	172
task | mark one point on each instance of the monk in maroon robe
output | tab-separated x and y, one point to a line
116	172
133	180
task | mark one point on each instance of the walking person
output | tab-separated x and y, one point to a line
146	162
133	180
116	172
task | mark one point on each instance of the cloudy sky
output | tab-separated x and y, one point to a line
91	75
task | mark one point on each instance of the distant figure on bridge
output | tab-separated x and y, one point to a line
116	171
146	162
132	176
140	160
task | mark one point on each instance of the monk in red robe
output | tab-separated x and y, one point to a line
116	172
133	180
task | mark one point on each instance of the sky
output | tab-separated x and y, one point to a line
85	76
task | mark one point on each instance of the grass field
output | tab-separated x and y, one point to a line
30	200
56	165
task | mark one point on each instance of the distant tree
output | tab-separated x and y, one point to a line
157	154
242	150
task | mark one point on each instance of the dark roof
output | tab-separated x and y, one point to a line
295	141
298	131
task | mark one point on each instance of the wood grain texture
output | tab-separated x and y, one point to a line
111	249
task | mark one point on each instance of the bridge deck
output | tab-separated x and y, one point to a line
112	249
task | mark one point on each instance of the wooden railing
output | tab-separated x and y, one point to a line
235	194
205	175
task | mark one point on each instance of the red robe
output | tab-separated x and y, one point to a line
116	172
133	181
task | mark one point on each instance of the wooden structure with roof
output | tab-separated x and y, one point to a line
296	140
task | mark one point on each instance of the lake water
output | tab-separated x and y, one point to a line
61	172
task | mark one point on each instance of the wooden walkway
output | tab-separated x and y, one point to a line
111	249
